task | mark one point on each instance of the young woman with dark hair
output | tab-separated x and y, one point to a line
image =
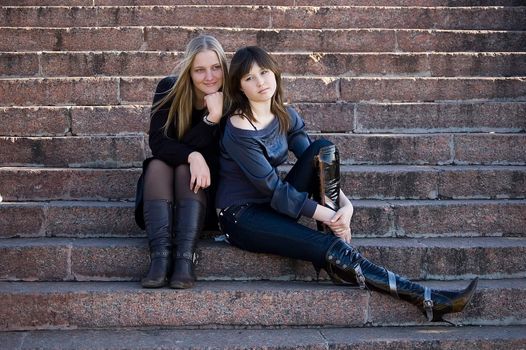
259	210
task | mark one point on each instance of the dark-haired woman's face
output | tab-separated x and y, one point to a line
206	73
259	84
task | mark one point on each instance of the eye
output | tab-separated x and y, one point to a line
248	78
264	71
217	67
199	70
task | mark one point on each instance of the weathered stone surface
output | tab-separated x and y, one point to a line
265	17
109	259
212	304
110	120
113	259
34	121
400	17
327	117
468	217
59	91
94	219
110	63
369	338
451	41
34	260
18	64
151	63
21	219
68	184
393	149
482	182
389	182
440	117
430	89
422	3
408	338
490	149
97	152
102	305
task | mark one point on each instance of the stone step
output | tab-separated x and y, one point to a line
153	63
145	38
372	218
93	91
66	305
126	259
355	149
463	18
358	182
379	338
424	3
358	118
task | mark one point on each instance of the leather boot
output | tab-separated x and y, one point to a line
158	222
328	166
347	263
188	224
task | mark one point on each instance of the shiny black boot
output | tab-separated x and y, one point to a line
328	166
350	266
158	222
188	224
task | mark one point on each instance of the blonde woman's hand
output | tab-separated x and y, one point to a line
214	104
199	172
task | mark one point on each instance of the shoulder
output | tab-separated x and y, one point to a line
240	122
296	121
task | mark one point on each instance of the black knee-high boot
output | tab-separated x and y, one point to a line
346	262
328	171
188	224
158	221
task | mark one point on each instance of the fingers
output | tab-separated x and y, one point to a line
198	182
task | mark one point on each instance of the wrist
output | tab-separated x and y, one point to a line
208	120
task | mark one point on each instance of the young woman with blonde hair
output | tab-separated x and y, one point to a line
259	210
175	193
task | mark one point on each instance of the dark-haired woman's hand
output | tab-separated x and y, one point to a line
214	104
199	172
340	224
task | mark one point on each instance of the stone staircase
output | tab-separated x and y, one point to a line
426	100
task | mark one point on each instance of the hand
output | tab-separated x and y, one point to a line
214	104
199	172
340	223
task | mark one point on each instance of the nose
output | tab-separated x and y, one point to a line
209	75
259	80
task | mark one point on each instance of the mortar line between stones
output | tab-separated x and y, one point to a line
69	116
40	70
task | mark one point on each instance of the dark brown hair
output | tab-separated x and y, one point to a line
240	65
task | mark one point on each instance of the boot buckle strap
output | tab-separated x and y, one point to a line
187	255
428	304
160	254
392	284
360	278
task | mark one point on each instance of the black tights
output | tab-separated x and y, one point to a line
161	181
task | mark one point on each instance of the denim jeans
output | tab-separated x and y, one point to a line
257	227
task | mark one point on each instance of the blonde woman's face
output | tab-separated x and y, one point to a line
206	73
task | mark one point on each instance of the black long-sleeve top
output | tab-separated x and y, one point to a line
248	167
200	137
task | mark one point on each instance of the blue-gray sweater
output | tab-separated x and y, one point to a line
248	167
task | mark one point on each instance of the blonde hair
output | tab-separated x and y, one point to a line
181	94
